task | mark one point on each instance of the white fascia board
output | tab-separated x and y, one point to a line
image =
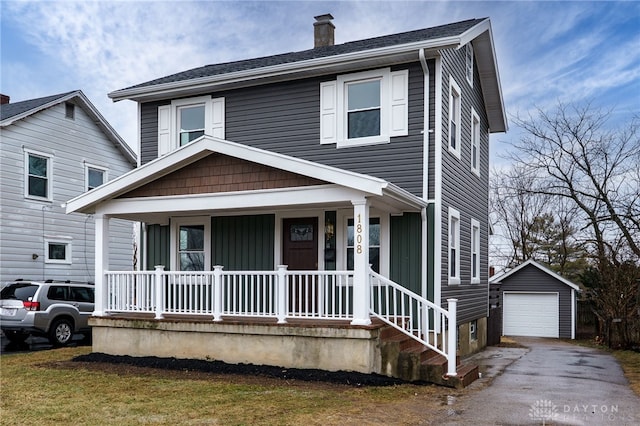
316	64
282	197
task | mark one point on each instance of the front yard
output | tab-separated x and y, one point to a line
46	387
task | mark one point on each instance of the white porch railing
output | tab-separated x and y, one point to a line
281	294
416	317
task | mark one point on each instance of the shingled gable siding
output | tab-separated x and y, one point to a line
221	173
532	279
285	118
465	191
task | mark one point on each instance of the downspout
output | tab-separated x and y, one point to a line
425	176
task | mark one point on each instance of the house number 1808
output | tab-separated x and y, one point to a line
359	236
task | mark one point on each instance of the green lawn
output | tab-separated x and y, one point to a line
46	388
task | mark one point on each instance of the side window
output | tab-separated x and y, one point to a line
364	108
469	63
94	176
57	292
475	142
82	294
454	246
37	179
455	102
185	120
57	250
475	251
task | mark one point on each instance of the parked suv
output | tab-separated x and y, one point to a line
54	309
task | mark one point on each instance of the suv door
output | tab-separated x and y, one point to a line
83	299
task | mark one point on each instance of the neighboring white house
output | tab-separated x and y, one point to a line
53	149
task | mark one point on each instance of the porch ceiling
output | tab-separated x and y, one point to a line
212	175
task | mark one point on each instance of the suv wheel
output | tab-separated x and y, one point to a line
16	336
61	332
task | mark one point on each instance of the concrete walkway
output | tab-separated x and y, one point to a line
548	382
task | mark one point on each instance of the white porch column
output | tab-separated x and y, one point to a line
361	287
101	263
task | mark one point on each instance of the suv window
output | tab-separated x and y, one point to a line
22	292
81	294
57	292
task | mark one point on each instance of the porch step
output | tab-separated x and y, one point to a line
406	358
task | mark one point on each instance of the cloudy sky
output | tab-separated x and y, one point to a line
547	51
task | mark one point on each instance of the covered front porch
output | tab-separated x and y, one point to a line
325	229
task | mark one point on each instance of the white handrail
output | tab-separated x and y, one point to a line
416	317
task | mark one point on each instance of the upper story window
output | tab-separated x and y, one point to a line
469	63
475	251
38	167
94	176
364	108
185	120
454	117
475	142
454	246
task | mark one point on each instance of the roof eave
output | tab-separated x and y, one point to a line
336	63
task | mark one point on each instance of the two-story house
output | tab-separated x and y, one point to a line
53	149
344	183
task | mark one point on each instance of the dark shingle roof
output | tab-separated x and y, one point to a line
438	32
17	108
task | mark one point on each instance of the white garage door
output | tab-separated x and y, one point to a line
531	314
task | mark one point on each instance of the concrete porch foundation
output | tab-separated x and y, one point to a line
305	344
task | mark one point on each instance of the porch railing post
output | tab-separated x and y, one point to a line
281	302
217	293
452	338
159	278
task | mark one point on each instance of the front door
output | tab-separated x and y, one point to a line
300	243
300	253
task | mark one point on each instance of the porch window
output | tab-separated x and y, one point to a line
191	249
374	244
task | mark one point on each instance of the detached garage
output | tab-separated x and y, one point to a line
537	302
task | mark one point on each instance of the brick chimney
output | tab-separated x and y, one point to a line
323	30
4	99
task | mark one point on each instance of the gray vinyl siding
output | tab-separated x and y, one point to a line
531	279
285	118
243	243
24	222
465	191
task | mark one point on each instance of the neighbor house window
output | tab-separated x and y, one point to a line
475	251
57	250
469	63
94	176
473	330
364	108
374	244
454	246
454	118
185	120
475	142
37	175
69	110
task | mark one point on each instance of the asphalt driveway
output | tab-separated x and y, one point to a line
548	382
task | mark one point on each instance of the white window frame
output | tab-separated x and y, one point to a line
475	142
394	94
88	166
468	56
169	125
455	116
66	241
49	157
176	223
475	250
453	244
